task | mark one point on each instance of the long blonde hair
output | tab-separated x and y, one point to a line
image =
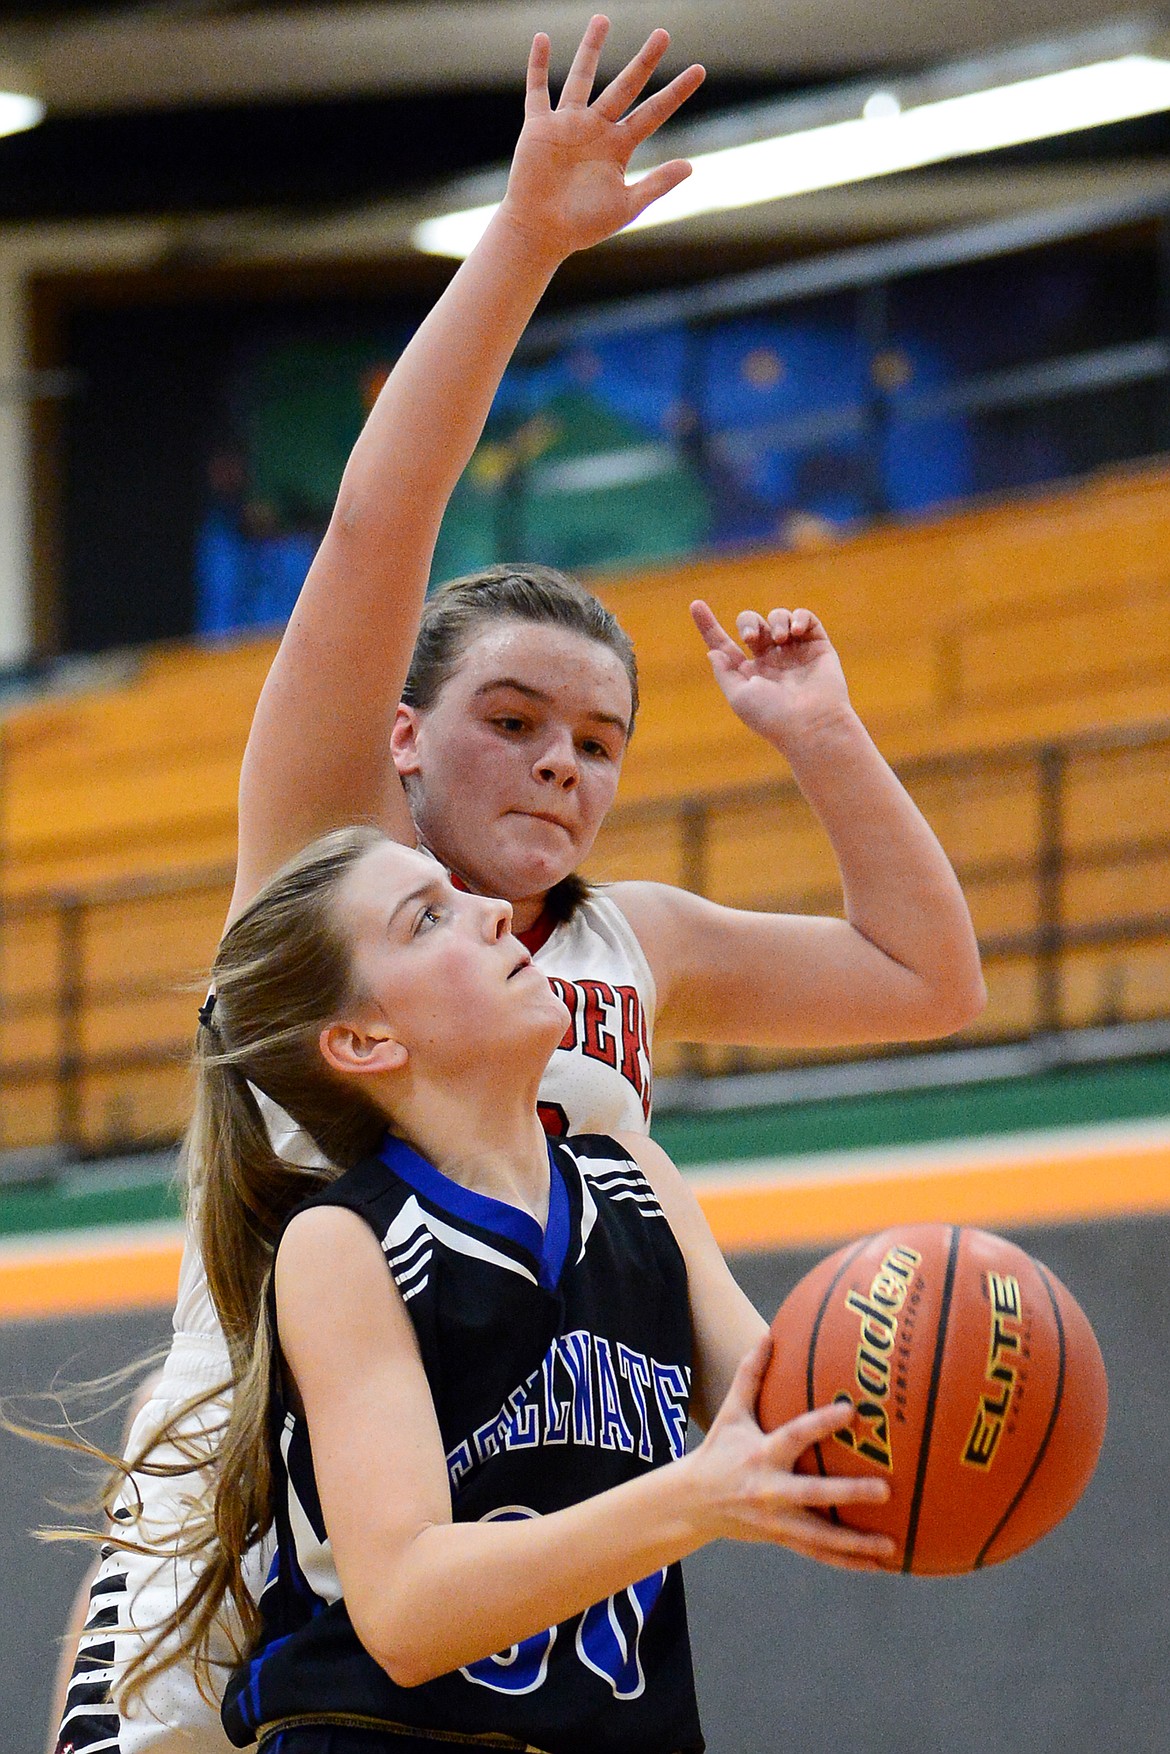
282	972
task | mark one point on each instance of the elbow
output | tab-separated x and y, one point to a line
406	1668
401	1649
400	1656
956	1002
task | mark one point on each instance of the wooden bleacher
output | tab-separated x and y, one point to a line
991	628
983	630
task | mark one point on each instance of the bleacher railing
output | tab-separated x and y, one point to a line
96	1018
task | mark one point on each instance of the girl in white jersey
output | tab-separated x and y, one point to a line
507	744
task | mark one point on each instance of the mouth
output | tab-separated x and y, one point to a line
524	962
542	816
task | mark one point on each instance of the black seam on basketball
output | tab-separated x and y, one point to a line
944	1316
812	1346
1057	1398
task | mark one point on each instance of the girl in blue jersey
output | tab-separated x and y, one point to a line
463	1365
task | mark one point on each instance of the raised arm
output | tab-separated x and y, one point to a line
318	755
426	1594
902	965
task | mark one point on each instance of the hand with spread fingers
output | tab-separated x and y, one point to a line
748	1483
789	678
567	187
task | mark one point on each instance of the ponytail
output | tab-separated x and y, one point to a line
281	973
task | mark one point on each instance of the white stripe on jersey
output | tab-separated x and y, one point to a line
412	1217
588	1209
412	1272
91	1678
613	1184
313	1556
101	1635
618	1178
399	1260
646	1203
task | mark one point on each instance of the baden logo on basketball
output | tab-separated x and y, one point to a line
875	1354
1003	1370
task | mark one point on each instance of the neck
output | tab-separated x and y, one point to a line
487	1136
526	913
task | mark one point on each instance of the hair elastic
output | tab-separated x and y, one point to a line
207	1008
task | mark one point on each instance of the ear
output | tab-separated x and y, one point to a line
358	1050
404	741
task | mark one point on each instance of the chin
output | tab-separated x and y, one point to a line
518	875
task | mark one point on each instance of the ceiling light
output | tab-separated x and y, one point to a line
884	139
882	103
19	109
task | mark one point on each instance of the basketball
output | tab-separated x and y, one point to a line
978	1383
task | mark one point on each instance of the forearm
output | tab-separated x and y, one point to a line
317	754
465	1590
430	414
900	890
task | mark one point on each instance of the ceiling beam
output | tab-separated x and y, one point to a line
179	57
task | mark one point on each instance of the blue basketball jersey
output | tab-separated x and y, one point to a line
559	1363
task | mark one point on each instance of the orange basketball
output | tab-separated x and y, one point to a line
979	1387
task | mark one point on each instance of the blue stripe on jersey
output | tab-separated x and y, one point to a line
549	1247
250	1706
555	1241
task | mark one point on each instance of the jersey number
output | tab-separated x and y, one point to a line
609	1637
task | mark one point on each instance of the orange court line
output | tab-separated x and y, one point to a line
59	1276
93	1280
808	1209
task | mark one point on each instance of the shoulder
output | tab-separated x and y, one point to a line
651	908
594	1154
335	1232
321	1245
668	922
368	1188
606	1166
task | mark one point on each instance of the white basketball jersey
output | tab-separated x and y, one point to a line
598	1080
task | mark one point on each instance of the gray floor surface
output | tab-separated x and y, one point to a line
1066	1650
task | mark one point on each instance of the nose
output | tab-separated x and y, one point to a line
557	764
497	917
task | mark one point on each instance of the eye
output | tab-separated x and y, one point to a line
509	722
592	747
428	916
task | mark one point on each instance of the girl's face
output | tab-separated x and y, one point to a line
439	970
512	768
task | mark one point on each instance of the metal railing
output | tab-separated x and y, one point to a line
57	1012
50	1000
1045	773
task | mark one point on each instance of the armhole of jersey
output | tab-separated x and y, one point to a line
631	944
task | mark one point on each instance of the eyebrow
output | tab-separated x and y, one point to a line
526	689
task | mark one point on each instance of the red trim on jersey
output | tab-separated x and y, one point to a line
538	933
